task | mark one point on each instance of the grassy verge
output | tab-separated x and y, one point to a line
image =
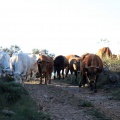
16	104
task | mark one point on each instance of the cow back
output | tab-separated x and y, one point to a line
104	52
59	61
69	57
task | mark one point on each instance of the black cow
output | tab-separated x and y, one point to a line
60	63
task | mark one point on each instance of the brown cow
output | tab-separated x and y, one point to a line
74	65
104	52
90	67
84	55
45	67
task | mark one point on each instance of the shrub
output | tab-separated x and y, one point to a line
115	95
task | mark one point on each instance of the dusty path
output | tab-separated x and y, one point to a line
62	101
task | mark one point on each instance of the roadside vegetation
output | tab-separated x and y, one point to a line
16	103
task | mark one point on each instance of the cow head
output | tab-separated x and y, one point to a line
5	64
91	73
42	65
5	71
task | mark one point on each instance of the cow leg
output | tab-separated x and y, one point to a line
91	85
81	80
28	78
45	78
63	73
34	75
58	74
55	73
71	76
49	78
95	89
40	78
66	71
75	75
95	82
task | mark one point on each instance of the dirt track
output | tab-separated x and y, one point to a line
62	101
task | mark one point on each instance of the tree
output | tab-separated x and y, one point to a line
6	50
11	50
44	51
14	49
52	55
35	51
1	48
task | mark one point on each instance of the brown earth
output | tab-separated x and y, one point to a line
63	101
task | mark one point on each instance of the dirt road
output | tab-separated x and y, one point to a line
65	102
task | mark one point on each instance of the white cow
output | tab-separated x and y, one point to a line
20	64
4	64
33	66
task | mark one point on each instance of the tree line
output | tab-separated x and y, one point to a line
15	48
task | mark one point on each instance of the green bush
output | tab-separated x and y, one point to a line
14	97
115	95
6	79
85	104
11	91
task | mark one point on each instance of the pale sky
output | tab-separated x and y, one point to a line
60	26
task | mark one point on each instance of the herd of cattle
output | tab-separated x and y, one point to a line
21	65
